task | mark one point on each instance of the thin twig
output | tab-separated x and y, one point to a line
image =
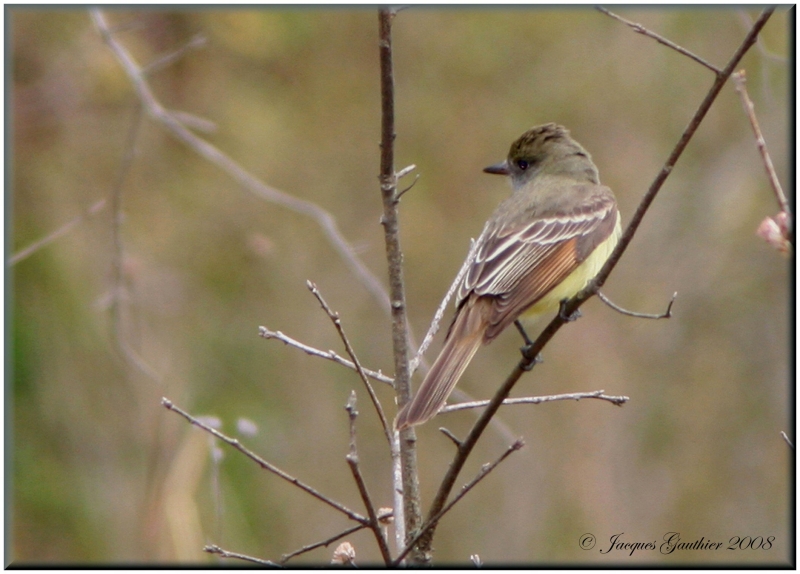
665	315
406	170
94	209
195	122
337	322
407	188
406	493
118	255
645	32
353	463
431	522
166	60
251	183
739	80
131	26
786	438
286	557
168	404
214	549
449	434
573	304
329	355
618	400
401	174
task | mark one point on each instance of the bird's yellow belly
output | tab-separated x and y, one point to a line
576	280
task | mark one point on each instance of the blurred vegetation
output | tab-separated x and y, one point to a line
100	472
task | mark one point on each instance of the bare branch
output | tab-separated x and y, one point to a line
407	188
131	26
195	122
251	183
449	434
645	32
739	80
214	549
398	495
406	443
402	173
497	422
405	171
329	355
353	463
337	322
195	43
168	404
117	278
94	209
665	315
484	472
618	400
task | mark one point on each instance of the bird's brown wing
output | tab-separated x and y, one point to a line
519	263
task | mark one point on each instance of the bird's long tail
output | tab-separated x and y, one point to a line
463	340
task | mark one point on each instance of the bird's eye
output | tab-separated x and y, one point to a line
522	164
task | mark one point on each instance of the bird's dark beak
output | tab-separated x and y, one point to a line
498	168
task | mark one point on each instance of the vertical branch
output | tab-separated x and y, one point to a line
118	254
407	456
353	463
116	221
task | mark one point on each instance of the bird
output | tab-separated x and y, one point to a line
542	245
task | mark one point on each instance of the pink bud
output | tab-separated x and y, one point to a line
775	232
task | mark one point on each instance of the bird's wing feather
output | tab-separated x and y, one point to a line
517	264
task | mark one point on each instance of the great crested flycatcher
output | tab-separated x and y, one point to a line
542	245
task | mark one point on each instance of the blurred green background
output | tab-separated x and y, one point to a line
100	472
